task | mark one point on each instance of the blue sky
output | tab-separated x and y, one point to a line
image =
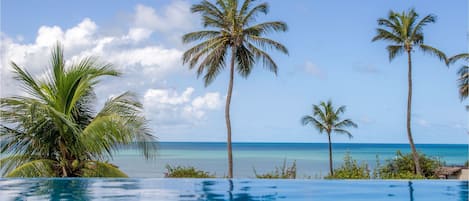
331	57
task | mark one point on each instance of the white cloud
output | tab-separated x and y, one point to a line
423	122
141	61
167	106
176	17
138	34
314	70
144	63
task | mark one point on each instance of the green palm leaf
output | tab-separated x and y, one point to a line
55	128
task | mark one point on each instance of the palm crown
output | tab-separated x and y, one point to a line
405	33
232	30
327	119
53	131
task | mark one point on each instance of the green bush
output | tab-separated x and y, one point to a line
402	167
186	172
350	170
283	172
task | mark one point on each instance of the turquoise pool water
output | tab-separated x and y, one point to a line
235	190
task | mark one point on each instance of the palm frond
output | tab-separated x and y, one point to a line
419	26
395	50
27	82
342	131
345	123
383	34
265	43
266	27
251	14
200	35
267	61
463	56
306	120
245	60
463	82
36	168
434	52
101	169
215	61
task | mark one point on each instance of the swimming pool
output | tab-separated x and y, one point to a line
236	189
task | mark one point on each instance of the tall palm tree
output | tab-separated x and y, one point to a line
232	34
327	119
463	81
405	33
53	130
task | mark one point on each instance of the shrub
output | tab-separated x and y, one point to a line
350	170
186	172
283	172
402	167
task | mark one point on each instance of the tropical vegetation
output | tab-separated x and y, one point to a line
232	35
283	172
402	167
53	131
327	119
350	169
186	172
405	33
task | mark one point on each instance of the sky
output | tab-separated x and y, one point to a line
331	56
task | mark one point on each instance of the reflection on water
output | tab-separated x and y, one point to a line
232	190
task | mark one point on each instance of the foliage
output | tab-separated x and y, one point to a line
53	131
466	164
327	119
232	30
405	33
186	172
402	167
283	172
350	170
463	73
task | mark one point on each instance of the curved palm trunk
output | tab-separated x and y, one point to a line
227	116
418	171
330	154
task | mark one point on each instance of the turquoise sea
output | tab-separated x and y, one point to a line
311	158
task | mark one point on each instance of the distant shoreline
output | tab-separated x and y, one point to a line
371	143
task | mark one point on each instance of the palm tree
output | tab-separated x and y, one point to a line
326	118
232	35
405	34
54	132
463	81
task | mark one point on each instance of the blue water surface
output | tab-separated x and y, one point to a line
235	190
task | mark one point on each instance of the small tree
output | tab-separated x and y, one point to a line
326	119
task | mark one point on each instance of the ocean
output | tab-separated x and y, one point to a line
311	158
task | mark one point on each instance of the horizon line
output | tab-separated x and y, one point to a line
296	142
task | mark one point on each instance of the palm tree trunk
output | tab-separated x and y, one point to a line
227	115
418	171
330	154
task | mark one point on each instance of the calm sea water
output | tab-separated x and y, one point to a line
232	190
311	158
